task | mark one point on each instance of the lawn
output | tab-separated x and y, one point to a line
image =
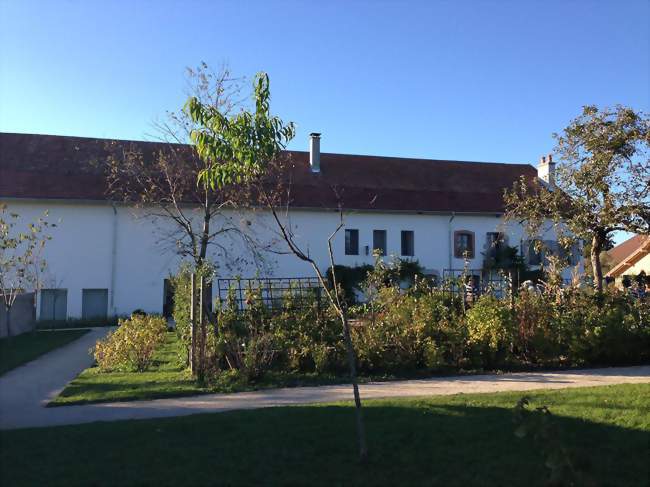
445	440
168	377
18	350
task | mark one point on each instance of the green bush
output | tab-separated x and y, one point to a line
309	335
612	329
537	328
182	284
302	336
132	345
420	329
490	330
405	331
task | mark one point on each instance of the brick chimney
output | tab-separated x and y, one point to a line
546	170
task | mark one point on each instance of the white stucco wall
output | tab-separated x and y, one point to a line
97	246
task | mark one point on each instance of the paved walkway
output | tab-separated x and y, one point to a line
25	391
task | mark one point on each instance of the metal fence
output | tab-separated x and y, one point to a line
273	292
472	283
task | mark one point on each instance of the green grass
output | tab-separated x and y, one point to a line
167	377
18	350
448	440
76	323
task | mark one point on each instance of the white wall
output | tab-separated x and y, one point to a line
97	246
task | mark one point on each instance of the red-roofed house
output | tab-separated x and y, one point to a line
104	259
630	258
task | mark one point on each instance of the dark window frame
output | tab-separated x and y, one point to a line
407	247
530	252
384	248
494	242
351	241
461	253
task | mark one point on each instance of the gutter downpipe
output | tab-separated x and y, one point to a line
451	242
113	259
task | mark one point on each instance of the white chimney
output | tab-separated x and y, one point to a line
546	169
314	151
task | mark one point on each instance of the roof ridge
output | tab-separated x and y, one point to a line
292	151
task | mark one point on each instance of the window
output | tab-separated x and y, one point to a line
408	243
54	304
379	241
94	303
464	244
494	242
352	242
574	254
533	250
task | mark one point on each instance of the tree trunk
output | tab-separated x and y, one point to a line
193	324
596	248
352	361
205	232
8	310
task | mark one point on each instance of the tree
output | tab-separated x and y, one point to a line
246	148
602	183
20	257
162	182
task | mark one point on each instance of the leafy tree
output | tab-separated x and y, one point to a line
246	148
21	262
602	183
162	183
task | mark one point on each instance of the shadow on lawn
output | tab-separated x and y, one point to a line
423	442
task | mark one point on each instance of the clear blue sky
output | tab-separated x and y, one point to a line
475	80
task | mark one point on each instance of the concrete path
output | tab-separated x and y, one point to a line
25	390
26	409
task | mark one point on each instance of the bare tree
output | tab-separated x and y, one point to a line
160	181
21	262
333	293
247	149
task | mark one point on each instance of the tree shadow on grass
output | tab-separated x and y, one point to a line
420	443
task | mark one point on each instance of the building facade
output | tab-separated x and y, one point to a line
106	258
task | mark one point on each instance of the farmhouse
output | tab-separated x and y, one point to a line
106	258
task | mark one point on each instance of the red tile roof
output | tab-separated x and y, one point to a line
58	167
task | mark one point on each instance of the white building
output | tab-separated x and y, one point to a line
105	260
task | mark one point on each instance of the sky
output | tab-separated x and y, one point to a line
464	80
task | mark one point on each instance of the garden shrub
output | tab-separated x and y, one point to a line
182	285
538	335
131	346
490	329
309	335
387	271
409	330
243	339
612	329
420	329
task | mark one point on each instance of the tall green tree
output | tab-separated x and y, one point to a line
246	148
602	182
